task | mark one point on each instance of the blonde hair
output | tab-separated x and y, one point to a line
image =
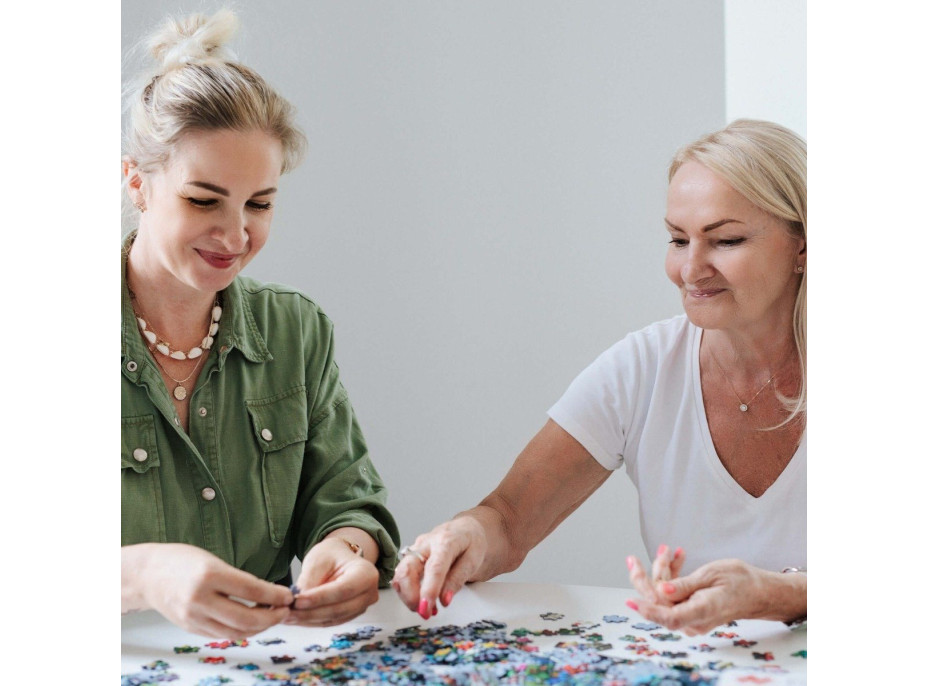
198	85
766	163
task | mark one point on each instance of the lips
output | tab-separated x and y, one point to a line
704	292
217	259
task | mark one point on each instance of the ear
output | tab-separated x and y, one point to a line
133	180
801	255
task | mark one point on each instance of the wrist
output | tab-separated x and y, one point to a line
133	585
786	596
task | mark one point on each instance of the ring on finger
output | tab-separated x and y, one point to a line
409	550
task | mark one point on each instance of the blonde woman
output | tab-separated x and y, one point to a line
705	410
240	450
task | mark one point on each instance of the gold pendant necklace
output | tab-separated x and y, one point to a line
180	391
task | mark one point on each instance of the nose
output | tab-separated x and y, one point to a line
232	232
697	265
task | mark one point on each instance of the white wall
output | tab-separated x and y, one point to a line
765	61
481	215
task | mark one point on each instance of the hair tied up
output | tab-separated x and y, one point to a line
193	39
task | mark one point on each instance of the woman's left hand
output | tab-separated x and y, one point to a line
717	593
336	585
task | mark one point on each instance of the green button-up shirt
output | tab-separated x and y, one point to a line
271	433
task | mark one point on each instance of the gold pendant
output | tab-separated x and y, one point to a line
180	392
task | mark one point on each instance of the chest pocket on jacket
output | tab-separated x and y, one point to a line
281	426
142	507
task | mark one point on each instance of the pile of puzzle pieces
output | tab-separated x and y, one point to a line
482	652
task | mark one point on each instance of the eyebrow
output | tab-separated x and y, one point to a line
222	191
707	227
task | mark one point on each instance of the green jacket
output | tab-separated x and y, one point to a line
271	431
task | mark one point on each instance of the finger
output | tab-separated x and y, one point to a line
235	582
695	616
639	579
676	564
240	621
356	579
332	614
660	568
447	569
460	573
682	587
406	581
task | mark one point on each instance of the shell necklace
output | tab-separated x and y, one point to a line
158	344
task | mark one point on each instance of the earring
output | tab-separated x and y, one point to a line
140	206
800	269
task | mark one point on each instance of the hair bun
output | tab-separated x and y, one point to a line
194	38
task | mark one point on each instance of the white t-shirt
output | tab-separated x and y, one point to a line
640	403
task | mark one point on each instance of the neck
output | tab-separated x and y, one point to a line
758	353
175	311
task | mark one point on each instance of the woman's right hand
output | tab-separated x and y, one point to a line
453	553
197	591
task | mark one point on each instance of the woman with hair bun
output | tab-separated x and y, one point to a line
240	449
706	410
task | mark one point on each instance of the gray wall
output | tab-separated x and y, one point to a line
481	215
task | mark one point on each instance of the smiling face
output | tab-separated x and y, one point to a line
735	265
208	211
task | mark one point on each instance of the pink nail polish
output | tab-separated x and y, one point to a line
424	608
661	550
677	553
447	598
669	589
630	561
435	610
632	604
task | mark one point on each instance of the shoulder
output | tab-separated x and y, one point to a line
280	302
654	342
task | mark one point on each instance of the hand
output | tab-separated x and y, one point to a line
194	589
453	553
717	593
336	585
664	568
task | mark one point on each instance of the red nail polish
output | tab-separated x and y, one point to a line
435	610
630	561
662	549
424	608
632	604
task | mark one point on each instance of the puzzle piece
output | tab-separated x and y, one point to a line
615	619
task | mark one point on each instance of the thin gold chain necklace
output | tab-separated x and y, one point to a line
743	406
180	391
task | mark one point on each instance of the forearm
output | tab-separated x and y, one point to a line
783	596
133	598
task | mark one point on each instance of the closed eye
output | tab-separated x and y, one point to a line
729	242
201	202
260	206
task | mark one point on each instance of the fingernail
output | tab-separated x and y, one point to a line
424	608
669	589
630	561
446	598
632	604
677	553
661	550
435	610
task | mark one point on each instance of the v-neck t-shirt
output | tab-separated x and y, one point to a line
640	404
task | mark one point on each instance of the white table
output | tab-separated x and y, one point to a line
147	636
